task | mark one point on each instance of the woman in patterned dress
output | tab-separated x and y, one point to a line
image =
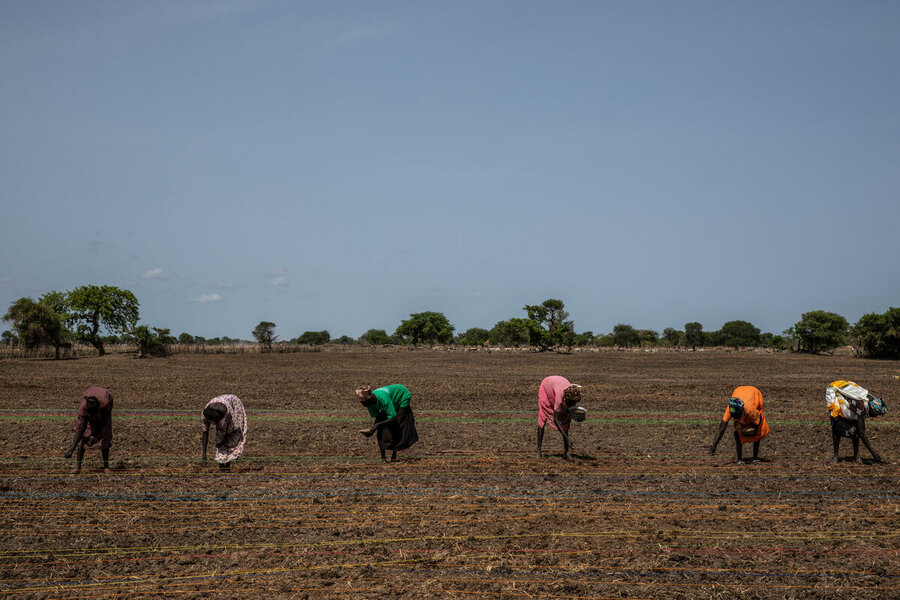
227	413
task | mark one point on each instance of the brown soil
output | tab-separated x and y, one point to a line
309	511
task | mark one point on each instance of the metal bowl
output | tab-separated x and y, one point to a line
578	413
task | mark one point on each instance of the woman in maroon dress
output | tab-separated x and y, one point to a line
93	427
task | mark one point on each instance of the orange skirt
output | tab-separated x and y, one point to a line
761	431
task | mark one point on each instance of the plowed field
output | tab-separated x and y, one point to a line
310	511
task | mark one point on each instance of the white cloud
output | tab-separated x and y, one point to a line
206	299
156	273
278	278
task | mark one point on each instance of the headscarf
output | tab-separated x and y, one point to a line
735	405
877	407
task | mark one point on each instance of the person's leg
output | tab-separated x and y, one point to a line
836	441
79	455
855	440
104	452
381	447
540	441
393	456
225	466
739	450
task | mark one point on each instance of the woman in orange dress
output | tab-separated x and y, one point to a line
746	409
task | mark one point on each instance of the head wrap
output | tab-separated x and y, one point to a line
736	405
877	407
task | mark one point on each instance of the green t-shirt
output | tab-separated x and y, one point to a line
388	399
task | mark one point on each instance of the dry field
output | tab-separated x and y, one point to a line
469	512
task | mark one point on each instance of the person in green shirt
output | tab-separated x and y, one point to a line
395	425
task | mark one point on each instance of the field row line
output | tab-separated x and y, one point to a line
699	534
435	493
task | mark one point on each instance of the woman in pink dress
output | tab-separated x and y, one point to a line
555	397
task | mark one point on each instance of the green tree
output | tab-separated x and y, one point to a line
92	308
37	325
648	337
606	341
152	341
554	329
775	342
693	335
515	332
626	336
264	333
313	338
345	340
820	331
187	339
585	338
426	328
739	333
8	338
672	336
474	336
376	337
878	335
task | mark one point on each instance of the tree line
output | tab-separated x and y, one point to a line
101	315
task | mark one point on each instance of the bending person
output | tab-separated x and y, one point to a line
394	424
555	396
227	412
93	426
849	406
746	408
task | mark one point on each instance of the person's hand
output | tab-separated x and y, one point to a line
712	450
566	456
68	454
876	457
367	432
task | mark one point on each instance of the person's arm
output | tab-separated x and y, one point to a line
378	425
565	437
205	437
80	427
719	434
861	429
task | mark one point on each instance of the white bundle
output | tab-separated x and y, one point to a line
840	396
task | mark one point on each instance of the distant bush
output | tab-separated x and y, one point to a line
313	338
625	336
376	337
820	331
427	327
878	335
473	337
739	333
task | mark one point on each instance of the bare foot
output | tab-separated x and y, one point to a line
539	456
76	471
107	470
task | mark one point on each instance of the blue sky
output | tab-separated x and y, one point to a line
340	165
